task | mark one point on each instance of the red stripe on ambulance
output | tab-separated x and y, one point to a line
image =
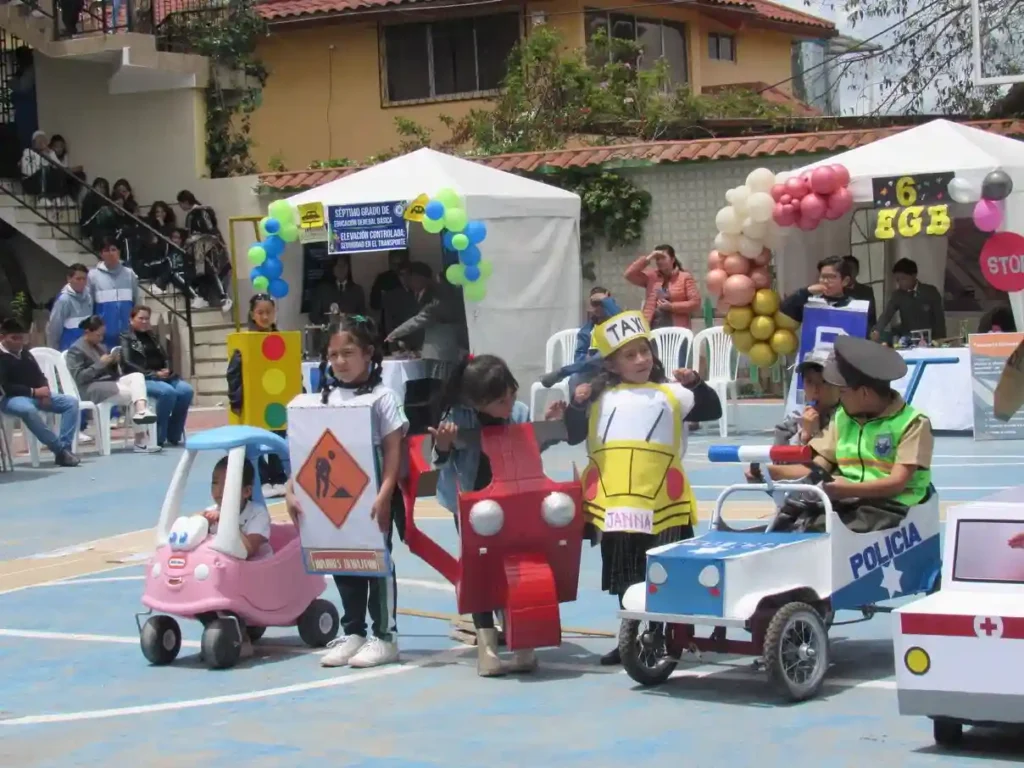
1008	628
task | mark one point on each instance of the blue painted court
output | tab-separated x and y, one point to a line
77	691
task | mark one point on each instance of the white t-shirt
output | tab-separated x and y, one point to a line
388	415
253	519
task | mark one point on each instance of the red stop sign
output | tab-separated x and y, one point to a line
1002	261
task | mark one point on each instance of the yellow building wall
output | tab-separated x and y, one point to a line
762	56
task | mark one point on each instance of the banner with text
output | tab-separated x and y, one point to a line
363	228
989	353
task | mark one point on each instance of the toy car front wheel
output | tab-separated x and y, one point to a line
318	624
255	633
796	650
221	644
160	640
947	733
643	653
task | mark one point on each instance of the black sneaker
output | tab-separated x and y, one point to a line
550	379
66	459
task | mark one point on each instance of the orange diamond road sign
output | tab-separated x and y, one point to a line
332	478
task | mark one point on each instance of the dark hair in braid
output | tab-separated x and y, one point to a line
477	380
606	378
363	331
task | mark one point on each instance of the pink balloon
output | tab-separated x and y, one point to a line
842	174
824	181
839	203
715	280
714	260
806	179
722	307
807	224
778	190
734	264
812	207
783	215
739	290
761	277
796	188
786	199
988	215
795	205
763	258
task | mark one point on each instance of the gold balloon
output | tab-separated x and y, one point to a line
727	329
766	302
762	328
742	340
739	317
784	341
762	355
785	322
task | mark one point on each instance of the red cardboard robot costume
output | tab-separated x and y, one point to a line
521	537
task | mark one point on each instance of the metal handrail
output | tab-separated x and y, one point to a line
68	230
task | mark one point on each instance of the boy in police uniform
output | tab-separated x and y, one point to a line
877	447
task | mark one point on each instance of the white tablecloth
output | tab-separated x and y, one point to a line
395	375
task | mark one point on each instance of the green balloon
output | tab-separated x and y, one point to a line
289	233
263	228
282	211
455	219
456	274
257	255
460	242
475	291
433	226
486	268
449	197
260	284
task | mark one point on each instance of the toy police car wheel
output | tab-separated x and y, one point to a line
255	633
796	650
160	639
221	644
643	653
318	624
948	733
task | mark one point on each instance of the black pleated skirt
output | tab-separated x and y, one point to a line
624	556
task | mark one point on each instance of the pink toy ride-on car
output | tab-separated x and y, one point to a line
198	575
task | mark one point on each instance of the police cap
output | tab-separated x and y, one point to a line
854	360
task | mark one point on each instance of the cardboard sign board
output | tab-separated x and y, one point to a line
336	480
997	378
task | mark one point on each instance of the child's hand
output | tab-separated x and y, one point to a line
840	489
444	436
555	411
381	511
582	394
212	515
292	504
685	376
753	474
1017	541
811	421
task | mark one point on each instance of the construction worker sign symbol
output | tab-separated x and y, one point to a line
332	478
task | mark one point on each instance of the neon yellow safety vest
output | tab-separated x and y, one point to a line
866	452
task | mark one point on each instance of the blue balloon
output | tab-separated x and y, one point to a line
476	231
274	246
278	289
256	272
470	256
434	210
272	269
272	227
446	238
472	273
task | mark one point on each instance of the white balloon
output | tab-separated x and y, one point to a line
727	243
727	221
962	191
761	180
750	247
740	195
755	230
729	195
760	205
782	177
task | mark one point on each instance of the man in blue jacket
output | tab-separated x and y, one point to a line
601	307
73	305
115	290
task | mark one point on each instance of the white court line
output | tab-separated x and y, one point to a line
439	586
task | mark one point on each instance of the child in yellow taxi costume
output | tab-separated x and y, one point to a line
635	493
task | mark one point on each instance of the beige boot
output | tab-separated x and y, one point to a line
523	661
488	663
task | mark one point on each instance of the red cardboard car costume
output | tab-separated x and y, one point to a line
521	536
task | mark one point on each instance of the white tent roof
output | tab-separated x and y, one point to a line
489	193
935	147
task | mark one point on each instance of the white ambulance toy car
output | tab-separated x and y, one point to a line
959	652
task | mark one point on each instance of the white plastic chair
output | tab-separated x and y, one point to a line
559	351
721	368
58	378
668	342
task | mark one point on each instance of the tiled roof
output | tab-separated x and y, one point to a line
774	12
736	148
771	94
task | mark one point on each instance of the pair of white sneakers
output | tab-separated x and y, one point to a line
360	652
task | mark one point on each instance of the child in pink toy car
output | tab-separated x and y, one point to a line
254	518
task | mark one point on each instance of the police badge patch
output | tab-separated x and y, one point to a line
883	445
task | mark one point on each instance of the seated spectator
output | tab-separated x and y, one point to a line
114	289
95	371
129	238
99	215
141	352
205	249
337	293
26	395
76	178
39	170
172	268
73	305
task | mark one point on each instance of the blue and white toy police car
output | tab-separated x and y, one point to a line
783	588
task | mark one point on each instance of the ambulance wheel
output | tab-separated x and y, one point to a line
643	653
255	633
319	624
948	733
796	651
221	645
161	640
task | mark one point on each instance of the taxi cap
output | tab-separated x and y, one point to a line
855	360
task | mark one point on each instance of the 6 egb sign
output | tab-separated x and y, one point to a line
1002	261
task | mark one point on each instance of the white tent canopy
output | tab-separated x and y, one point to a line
532	241
940	146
